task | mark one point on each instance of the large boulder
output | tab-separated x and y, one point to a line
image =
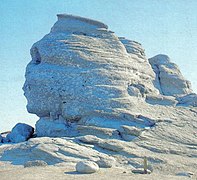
20	132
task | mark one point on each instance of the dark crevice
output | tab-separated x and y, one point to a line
36	58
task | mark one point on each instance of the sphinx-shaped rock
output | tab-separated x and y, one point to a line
81	70
83	79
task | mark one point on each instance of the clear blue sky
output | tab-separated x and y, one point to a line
162	26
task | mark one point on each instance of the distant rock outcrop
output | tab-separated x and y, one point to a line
83	76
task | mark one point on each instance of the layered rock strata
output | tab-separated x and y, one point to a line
81	75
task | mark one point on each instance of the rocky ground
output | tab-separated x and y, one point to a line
170	147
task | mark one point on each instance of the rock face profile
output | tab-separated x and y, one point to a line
81	74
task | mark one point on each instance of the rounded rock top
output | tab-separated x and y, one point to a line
74	24
87	167
98	24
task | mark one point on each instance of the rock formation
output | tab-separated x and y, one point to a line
81	74
169	79
101	100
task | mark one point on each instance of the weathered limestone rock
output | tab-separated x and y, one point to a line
161	100
106	163
1	138
98	131
83	79
81	70
142	76
90	139
20	132
169	79
35	163
87	167
111	145
131	130
54	128
188	100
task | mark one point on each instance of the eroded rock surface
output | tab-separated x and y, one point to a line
106	104
84	80
169	79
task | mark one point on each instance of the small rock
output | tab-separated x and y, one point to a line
35	163
20	132
131	130
87	167
89	139
105	163
187	174
140	171
127	137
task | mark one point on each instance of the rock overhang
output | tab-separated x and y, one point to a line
77	24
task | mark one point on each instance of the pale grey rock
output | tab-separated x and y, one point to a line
188	100
161	100
35	163
106	163
55	128
87	167
98	131
111	145
83	79
50	150
20	132
169	79
131	130
133	47
134	91
128	133
90	139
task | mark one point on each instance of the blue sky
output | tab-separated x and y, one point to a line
162	26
